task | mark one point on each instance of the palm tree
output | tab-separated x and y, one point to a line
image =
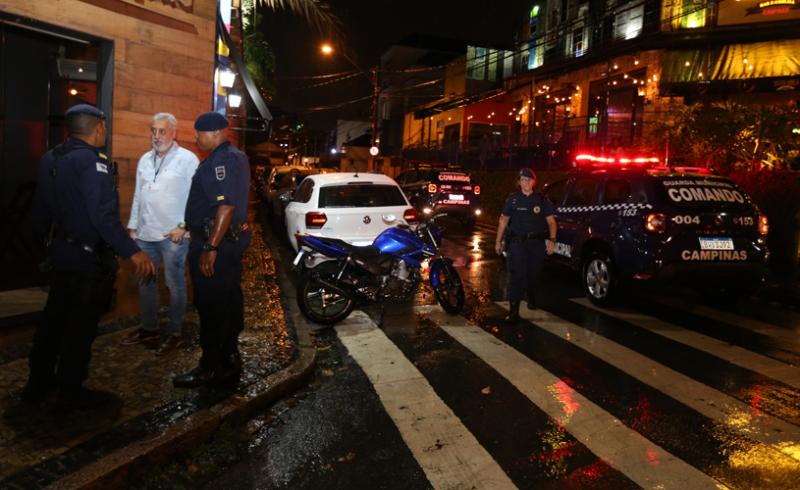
317	13
258	54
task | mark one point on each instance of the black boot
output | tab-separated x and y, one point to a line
531	302
513	313
194	378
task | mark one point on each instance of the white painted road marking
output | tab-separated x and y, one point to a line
724	409
448	453
733	354
639	459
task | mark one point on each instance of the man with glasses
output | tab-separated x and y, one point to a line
163	178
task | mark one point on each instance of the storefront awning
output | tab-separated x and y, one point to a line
772	59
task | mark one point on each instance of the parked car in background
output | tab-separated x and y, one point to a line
442	191
354	208
281	180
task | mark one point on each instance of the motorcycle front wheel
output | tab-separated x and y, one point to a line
320	303
449	290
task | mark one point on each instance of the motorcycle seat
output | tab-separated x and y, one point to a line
361	251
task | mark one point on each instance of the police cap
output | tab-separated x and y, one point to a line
527	172
210	121
85	109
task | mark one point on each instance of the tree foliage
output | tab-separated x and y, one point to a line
728	136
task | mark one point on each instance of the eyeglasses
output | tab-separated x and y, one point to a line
159	131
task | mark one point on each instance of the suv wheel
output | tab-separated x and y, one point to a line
600	280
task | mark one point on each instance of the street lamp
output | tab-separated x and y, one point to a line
372	73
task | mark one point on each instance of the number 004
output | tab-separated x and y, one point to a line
687	220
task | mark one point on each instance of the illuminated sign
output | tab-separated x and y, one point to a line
753	11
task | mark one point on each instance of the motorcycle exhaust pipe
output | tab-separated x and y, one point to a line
335	288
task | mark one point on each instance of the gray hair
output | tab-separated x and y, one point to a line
161	116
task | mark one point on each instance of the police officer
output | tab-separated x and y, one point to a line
76	206
216	215
530	220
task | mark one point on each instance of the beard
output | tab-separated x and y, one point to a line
161	147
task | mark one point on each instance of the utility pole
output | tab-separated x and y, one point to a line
375	101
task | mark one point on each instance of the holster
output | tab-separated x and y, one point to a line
233	234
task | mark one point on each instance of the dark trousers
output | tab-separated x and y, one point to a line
62	344
220	305
525	259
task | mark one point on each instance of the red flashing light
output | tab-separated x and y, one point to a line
432	188
410	215
477	190
315	219
588	159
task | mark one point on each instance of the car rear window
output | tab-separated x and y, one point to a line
360	196
702	191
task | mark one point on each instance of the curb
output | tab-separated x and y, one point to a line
114	470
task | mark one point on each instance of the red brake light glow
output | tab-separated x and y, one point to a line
477	190
432	188
763	224
655	223
315	219
410	215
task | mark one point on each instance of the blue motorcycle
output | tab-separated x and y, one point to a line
335	274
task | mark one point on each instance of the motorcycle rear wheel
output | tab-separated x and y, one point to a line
449	291
321	304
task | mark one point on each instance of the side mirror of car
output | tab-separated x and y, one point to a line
285	197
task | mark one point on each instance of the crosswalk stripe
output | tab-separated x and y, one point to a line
726	410
639	459
767	329
446	451
734	354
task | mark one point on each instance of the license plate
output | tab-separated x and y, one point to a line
716	243
298	258
456	197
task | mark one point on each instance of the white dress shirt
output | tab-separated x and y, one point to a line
162	188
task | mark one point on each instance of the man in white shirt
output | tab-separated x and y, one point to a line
163	178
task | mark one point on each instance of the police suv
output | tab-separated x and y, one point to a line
627	221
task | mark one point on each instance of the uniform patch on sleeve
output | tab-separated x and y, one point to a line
220	171
102	167
220	198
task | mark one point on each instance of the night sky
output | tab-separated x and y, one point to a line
370	28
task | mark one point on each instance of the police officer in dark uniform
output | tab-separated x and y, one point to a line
216	215
529	218
77	208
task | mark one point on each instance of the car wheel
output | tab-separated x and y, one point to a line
600	281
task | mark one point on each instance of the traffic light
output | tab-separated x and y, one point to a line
298	126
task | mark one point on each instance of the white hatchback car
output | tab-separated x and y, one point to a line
352	207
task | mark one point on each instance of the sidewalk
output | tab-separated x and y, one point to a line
149	419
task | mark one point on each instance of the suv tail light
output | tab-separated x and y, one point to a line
763	224
655	222
315	219
477	190
410	215
432	188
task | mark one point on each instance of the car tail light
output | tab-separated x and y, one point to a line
315	219
763	224
655	223
477	190
432	188
410	215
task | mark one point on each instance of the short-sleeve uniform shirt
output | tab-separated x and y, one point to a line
223	178
527	214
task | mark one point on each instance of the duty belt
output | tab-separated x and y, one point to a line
533	235
71	241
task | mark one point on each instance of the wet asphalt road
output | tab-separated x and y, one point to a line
664	391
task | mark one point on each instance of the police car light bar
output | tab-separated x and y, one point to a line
587	159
